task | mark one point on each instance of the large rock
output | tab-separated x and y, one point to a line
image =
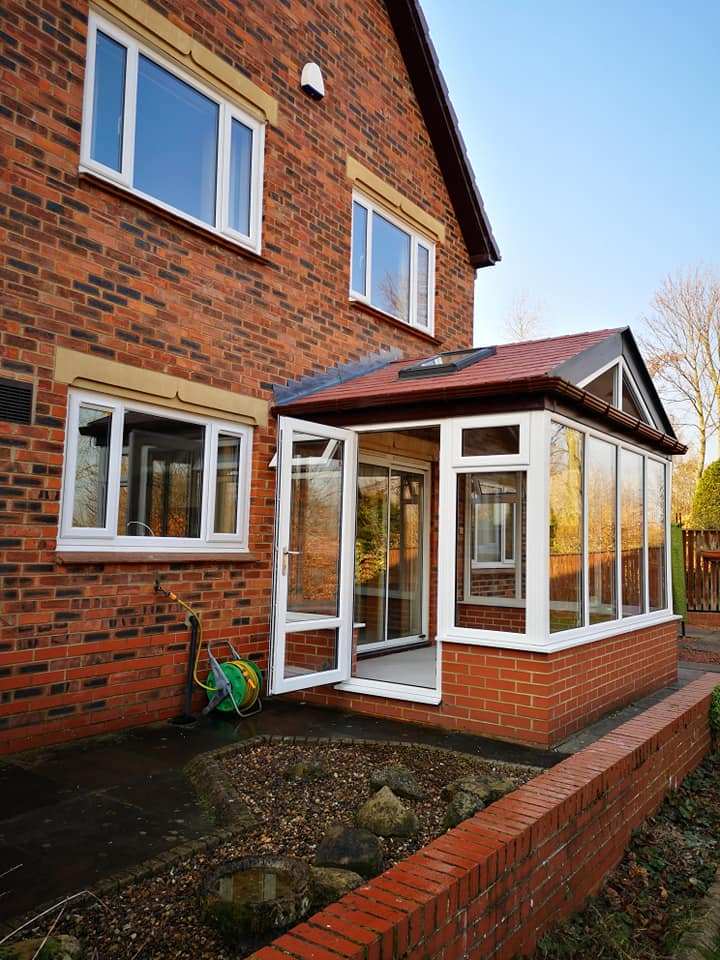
487	789
307	771
387	816
328	884
350	849
60	947
461	807
399	779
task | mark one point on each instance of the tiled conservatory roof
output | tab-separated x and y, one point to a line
513	369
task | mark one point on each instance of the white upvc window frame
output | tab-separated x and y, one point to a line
227	112
416	239
453	465
622	370
588	632
106	539
535	460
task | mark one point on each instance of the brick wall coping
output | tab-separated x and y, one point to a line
488	887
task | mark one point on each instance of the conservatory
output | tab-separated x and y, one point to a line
477	539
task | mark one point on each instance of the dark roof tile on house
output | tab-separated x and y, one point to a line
422	64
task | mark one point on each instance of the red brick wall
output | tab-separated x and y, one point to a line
482	616
493	886
710	621
87	649
535	698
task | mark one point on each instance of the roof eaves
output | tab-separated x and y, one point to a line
413	36
539	384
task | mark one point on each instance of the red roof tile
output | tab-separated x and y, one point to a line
512	362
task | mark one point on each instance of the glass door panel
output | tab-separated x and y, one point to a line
371	552
389	555
313	560
404	616
315	524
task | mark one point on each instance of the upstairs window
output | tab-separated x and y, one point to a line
144	478
159	133
392	267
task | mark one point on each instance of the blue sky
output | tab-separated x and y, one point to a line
594	133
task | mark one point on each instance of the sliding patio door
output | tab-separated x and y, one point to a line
313	573
389	555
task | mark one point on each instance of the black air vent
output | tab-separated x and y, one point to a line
16	400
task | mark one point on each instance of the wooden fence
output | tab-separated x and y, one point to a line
702	575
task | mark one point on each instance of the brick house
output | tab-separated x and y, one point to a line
235	361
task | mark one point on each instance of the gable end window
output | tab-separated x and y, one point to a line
392	266
156	131
141	478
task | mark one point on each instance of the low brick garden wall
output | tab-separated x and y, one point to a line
492	886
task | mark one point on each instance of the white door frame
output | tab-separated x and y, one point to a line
343	622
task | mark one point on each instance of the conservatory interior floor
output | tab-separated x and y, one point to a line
415	667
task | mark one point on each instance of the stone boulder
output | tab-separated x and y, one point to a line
399	779
462	807
387	816
349	848
487	789
328	884
60	947
307	771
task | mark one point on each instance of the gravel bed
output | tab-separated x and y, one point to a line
159	918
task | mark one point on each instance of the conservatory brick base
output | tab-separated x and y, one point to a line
533	698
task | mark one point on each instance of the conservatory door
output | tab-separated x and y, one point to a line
313	572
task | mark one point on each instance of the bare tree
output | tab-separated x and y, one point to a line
682	347
524	321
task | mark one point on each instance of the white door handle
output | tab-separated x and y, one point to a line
285	554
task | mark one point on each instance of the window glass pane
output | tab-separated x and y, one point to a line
359	247
227	483
176	132
313	560
657	575
371	549
629	402
423	280
490	583
566	528
91	467
631	532
490	441
604	385
108	102
161	477
601	530
390	268
240	177
405	580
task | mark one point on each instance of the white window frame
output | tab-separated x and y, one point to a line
537	636
416	239
106	539
499	460
227	112
588	632
622	370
